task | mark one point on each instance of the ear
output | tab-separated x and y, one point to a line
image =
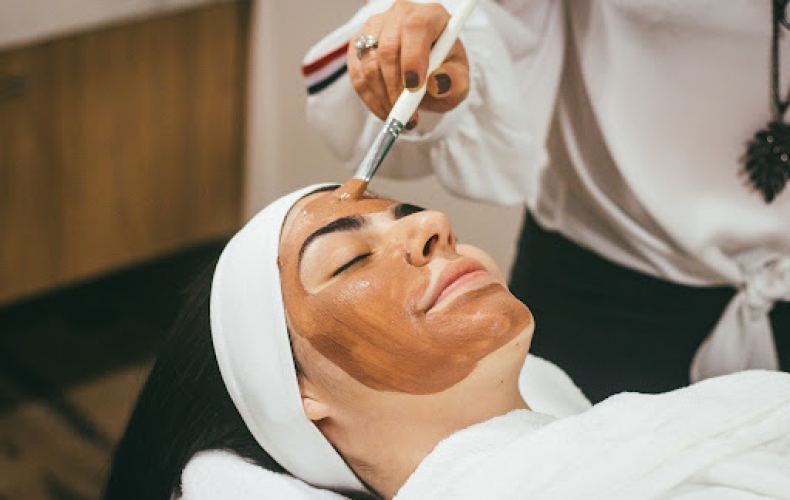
314	409
313	404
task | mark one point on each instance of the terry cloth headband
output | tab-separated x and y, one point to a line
254	352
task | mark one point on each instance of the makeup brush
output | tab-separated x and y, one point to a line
408	101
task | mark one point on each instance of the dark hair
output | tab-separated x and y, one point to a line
182	409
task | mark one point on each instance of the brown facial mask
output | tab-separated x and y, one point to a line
372	318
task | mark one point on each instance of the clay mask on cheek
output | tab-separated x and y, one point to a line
367	320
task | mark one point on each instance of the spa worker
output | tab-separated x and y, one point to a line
356	348
649	251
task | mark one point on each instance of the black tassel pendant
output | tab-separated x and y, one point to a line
768	160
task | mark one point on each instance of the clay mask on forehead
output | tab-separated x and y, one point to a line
369	318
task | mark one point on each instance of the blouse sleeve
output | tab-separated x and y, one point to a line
492	146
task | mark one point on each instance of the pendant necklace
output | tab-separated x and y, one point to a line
768	153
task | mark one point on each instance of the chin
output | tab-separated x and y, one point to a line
518	348
515	313
523	317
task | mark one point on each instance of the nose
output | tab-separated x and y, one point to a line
425	235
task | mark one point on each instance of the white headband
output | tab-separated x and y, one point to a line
254	352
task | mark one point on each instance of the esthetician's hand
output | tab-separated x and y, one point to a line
406	33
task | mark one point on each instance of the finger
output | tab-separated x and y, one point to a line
420	30
388	53
365	74
448	86
370	86
413	121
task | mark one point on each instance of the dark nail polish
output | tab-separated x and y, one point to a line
411	80
411	124
443	83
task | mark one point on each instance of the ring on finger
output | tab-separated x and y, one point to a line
363	43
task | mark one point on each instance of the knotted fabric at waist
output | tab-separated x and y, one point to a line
743	339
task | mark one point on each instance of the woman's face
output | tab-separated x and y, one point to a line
382	290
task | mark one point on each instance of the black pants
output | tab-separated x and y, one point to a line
613	329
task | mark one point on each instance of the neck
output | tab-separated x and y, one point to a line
394	444
384	436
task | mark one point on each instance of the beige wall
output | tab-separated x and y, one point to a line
283	154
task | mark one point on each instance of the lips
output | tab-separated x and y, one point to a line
454	276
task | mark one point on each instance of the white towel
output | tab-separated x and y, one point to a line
723	438
548	389
217	474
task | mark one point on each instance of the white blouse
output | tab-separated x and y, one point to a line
622	125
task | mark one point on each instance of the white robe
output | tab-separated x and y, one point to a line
724	438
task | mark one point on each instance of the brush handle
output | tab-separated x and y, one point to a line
408	101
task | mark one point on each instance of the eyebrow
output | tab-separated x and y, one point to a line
350	223
401	210
354	222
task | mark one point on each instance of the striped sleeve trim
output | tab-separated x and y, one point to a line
324	71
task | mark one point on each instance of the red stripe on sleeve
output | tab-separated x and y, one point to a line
316	65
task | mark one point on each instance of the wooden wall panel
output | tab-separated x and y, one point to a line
30	232
125	145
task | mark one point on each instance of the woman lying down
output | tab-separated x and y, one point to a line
356	350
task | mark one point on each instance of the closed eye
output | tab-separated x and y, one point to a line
350	263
